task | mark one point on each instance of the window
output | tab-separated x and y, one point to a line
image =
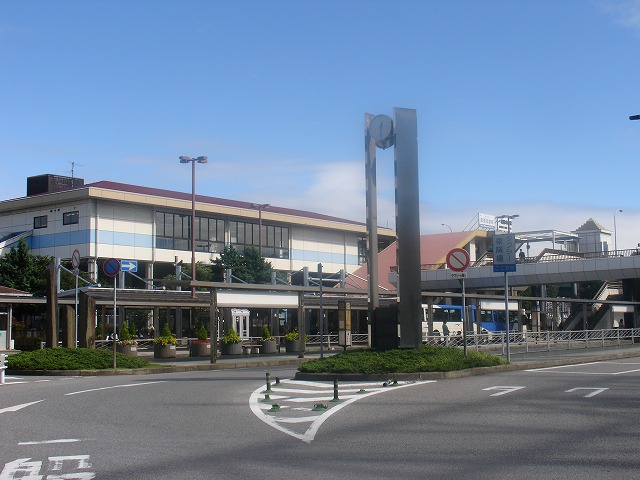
40	222
70	218
173	232
275	240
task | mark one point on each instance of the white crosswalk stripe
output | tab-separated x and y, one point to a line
288	404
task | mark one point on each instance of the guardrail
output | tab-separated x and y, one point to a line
526	342
330	341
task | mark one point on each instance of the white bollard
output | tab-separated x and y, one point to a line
3	366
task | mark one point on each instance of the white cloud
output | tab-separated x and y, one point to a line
625	12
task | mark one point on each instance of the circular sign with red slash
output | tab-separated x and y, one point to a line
458	259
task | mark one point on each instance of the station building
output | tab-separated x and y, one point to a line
152	226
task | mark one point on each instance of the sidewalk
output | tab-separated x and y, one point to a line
519	360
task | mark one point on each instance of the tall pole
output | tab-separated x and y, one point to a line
260	207
201	159
615	231
321	314
193	227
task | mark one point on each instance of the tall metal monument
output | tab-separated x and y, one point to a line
401	133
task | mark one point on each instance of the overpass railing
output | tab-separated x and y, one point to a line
525	342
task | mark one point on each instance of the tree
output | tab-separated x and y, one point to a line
21	270
249	267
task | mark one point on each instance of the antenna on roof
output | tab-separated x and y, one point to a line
73	166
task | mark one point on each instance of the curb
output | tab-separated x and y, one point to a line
469	372
160	368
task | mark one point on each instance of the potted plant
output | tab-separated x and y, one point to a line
231	343
267	343
126	344
165	345
291	341
201	346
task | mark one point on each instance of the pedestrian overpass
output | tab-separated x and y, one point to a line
550	267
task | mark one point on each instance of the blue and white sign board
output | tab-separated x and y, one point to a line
129	266
504	253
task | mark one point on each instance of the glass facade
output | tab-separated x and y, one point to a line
173	232
275	240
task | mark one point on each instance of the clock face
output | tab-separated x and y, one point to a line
381	128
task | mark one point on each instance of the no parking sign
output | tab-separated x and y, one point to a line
458	259
111	267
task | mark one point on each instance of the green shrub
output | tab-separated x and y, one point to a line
201	333
124	333
266	334
231	337
425	359
72	359
293	335
165	338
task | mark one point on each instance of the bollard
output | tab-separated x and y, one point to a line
3	366
335	391
268	382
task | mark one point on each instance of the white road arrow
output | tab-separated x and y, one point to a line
15	408
502	389
595	391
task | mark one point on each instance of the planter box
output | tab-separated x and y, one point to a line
268	346
131	350
230	349
292	346
199	349
164	351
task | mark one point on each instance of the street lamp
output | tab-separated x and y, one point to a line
615	231
260	207
634	117
509	218
445	225
193	162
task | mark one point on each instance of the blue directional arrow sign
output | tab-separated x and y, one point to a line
129	266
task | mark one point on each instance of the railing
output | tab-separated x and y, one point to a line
330	341
525	342
547	255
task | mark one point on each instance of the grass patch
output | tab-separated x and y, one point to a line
72	359
425	359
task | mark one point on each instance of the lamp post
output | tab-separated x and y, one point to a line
260	207
634	117
193	162
615	231
445	225
509	218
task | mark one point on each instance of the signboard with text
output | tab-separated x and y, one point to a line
504	252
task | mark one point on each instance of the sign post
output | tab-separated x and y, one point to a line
75	263
458	260
111	268
504	260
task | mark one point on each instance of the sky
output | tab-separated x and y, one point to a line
523	107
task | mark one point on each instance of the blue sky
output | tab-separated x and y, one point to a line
522	106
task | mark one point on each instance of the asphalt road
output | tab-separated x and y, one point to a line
570	422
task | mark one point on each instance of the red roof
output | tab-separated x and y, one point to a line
11	291
158	192
433	251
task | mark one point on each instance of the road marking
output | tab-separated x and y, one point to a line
23	468
116	386
47	442
15	408
595	391
559	369
306	426
503	390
